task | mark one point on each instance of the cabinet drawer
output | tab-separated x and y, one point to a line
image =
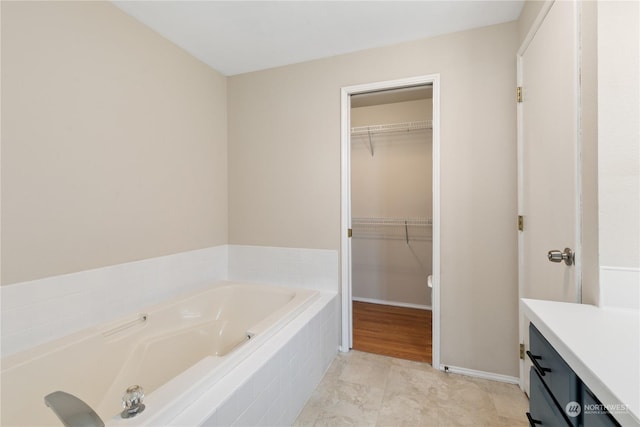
543	409
553	371
593	413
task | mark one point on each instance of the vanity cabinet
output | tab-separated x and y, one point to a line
543	409
591	419
557	395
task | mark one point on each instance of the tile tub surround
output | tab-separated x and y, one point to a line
363	389
307	268
620	287
42	310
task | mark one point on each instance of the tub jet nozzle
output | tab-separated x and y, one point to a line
132	402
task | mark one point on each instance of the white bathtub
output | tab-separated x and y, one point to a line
176	351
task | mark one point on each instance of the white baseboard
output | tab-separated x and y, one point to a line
480	374
394	303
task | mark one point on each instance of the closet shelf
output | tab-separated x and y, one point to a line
392	228
391	127
392	221
370	131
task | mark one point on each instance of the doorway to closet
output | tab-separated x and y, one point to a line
391	204
390	207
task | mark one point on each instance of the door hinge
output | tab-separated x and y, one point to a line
519	94
520	223
349	232
522	351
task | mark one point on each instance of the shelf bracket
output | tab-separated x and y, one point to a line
406	232
370	143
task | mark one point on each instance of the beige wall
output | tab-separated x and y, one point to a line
284	172
396	181
113	142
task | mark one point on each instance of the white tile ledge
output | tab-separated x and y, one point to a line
619	287
42	310
602	346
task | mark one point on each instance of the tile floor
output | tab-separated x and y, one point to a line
363	389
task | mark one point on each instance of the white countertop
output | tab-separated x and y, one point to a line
602	346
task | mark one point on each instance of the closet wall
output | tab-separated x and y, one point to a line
391	182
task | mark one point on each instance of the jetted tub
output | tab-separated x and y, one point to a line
175	350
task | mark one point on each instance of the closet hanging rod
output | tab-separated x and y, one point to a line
425	222
391	127
407	229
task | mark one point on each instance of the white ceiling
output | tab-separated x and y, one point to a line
236	37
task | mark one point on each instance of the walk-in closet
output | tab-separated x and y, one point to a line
391	205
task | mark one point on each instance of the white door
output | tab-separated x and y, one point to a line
548	123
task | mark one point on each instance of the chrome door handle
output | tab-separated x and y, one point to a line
568	256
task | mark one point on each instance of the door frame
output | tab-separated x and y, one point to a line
537	23
346	340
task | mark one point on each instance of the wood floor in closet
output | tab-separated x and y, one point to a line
399	332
